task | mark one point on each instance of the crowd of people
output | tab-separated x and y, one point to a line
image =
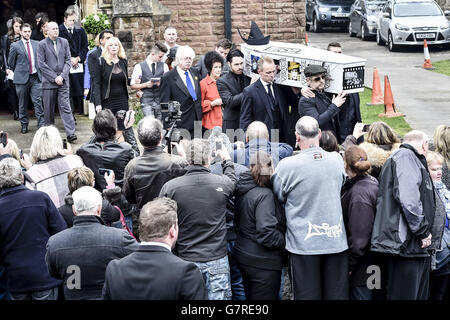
283	193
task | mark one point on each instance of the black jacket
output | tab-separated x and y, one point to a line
153	273
102	79
260	224
78	42
359	200
93	59
405	206
202	199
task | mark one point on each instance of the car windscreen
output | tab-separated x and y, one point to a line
416	9
337	2
375	5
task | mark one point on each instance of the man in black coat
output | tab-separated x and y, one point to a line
78	44
182	84
230	88
263	100
153	272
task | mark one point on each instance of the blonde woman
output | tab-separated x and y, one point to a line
111	80
442	144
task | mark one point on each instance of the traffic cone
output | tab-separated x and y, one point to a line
389	106
377	95
427	62
306	38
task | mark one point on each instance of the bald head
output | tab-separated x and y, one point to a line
307	132
257	129
418	139
52	30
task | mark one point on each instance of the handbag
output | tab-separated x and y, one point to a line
124	224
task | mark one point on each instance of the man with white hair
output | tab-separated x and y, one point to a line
309	185
182	84
27	219
404	229
79	255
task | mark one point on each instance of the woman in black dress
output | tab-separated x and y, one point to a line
111	81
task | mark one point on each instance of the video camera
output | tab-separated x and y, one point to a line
171	114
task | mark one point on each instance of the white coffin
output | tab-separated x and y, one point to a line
345	73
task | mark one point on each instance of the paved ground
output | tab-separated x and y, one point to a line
424	96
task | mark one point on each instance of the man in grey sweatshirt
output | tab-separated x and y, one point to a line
309	186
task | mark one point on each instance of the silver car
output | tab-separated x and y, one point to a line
409	22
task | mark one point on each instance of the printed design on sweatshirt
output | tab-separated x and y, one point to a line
324	230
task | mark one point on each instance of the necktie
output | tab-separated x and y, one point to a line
71	31
153	68
269	92
190	87
54	45
29	57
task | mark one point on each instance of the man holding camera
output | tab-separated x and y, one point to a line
147	77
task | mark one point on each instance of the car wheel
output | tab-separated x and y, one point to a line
363	32
350	31
380	41
391	45
316	24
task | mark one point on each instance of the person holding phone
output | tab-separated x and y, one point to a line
146	77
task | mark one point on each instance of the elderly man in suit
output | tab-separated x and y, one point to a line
54	61
263	100
78	45
153	272
23	61
182	84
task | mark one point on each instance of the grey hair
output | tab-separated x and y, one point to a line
47	144
307	127
149	131
86	199
415	137
198	152
184	51
10	173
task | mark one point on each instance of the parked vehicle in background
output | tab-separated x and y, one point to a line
363	19
327	13
409	22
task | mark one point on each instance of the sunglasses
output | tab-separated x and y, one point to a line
319	78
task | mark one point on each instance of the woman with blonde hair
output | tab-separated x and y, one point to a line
442	144
111	80
51	163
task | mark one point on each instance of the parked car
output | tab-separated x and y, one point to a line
409	22
363	19
322	13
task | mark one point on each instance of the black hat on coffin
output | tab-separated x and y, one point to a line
256	37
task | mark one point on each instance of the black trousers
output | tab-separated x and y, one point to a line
408	278
260	284
13	100
319	277
439	286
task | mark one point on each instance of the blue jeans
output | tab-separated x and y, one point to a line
216	274
237	285
360	293
50	294
128	221
152	109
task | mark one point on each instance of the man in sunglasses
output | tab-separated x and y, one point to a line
321	107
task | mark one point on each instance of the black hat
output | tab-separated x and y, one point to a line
256	37
314	69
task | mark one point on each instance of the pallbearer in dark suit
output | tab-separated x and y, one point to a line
78	44
23	61
54	62
263	100
153	272
182	84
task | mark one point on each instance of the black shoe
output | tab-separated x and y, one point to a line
72	138
24	129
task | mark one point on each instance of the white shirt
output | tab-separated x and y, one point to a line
154	243
31	53
183	77
137	71
265	86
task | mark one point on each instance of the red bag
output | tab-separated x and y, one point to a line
124	224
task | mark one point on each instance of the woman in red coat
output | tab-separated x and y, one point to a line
211	101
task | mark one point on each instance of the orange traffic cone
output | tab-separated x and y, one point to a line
377	95
389	106
306	38
427	62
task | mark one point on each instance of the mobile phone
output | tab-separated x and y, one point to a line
218	145
64	144
155	79
102	171
4	138
21	153
366	127
127	116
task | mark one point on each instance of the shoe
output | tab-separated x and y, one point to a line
16	115
24	129
72	138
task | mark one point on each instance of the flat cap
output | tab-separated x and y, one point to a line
314	69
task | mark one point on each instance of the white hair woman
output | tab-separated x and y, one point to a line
51	163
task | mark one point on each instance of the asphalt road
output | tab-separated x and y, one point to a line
422	95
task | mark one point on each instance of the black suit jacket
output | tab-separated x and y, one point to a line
173	89
256	106
153	273
78	42
231	94
92	60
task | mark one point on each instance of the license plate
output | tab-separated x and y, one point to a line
340	15
425	35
